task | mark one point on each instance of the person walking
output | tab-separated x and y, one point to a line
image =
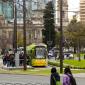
55	77
68	78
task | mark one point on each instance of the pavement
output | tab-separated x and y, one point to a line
80	75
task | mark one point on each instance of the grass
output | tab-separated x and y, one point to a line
35	71
78	71
81	55
75	63
72	63
46	71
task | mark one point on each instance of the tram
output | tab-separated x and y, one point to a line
37	54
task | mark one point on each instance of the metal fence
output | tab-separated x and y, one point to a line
6	83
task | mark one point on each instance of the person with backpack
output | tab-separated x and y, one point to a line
55	77
68	78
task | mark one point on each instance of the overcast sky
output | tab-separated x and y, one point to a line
73	6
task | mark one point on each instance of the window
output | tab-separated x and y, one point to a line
40	52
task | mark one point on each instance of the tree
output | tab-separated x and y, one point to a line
19	39
49	25
75	35
57	39
70	33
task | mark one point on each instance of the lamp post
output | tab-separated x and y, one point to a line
24	33
61	37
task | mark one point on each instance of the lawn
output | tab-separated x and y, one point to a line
35	71
72	63
75	63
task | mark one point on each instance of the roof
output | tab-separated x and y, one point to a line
29	47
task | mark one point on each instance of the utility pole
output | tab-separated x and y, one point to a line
15	35
61	37
24	33
15	28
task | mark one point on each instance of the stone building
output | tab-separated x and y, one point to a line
33	26
33	33
34	22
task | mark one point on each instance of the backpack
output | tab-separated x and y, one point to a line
57	82
72	80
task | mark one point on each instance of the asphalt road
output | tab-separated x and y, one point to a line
24	79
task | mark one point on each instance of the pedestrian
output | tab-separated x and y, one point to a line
68	78
21	58
55	77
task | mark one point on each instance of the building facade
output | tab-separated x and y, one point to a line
82	11
34	22
6	9
64	12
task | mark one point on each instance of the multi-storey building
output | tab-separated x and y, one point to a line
82	11
6	9
64	12
34	22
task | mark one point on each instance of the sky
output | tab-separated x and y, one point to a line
73	6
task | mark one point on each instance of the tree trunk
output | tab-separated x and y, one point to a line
78	50
75	49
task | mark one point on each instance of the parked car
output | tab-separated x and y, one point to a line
50	54
68	55
55	49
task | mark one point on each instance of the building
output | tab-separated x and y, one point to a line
34	22
6	9
64	12
82	11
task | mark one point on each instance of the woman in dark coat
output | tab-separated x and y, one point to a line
54	76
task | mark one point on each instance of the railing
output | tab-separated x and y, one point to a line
6	83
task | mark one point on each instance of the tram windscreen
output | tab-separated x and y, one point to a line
40	52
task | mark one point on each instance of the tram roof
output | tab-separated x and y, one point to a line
29	47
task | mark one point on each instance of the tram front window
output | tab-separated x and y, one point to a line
40	52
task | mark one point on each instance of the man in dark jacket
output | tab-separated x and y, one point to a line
54	76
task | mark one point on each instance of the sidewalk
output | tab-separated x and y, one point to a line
10	68
80	75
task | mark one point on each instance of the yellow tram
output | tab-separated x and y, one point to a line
37	54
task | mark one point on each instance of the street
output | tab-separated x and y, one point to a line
36	80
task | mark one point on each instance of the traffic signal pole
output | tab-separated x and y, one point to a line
61	37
